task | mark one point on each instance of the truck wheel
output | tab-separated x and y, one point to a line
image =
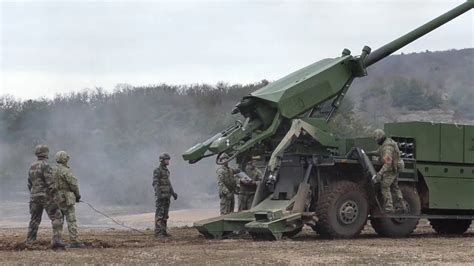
400	227
450	226
342	210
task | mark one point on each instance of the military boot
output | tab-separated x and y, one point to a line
165	231
160	236
77	244
57	243
30	241
388	206
31	237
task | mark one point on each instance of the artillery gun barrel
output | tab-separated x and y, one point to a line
393	46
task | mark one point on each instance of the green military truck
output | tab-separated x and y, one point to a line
313	178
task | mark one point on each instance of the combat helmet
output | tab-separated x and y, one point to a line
379	135
41	151
62	157
222	159
164	156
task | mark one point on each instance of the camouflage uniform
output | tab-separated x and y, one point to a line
227	184
42	193
247	192
163	192
389	156
68	194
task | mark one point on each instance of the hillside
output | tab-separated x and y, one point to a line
428	86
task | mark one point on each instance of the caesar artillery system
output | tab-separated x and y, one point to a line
313	178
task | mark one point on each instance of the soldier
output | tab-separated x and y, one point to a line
163	192
227	184
247	190
68	195
42	193
389	156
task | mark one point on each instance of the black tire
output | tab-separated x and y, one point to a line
392	227
342	210
450	226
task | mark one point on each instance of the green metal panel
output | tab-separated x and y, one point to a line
451	193
452	143
345	146
469	144
427	136
368	144
450	187
303	89
320	129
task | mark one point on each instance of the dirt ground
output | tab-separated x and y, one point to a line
188	247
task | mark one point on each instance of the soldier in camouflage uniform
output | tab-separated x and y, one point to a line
247	191
42	193
68	194
389	156
163	192
227	184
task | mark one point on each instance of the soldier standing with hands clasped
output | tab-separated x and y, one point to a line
163	192
42	197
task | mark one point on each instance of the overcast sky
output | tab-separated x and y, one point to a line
50	47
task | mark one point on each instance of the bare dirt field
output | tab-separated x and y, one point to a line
188	247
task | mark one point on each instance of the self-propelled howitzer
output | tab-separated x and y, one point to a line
300	93
312	178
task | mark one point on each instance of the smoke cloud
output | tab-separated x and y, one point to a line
114	140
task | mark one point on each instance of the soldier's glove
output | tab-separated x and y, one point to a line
225	192
373	179
175	195
78	198
376	179
271	179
